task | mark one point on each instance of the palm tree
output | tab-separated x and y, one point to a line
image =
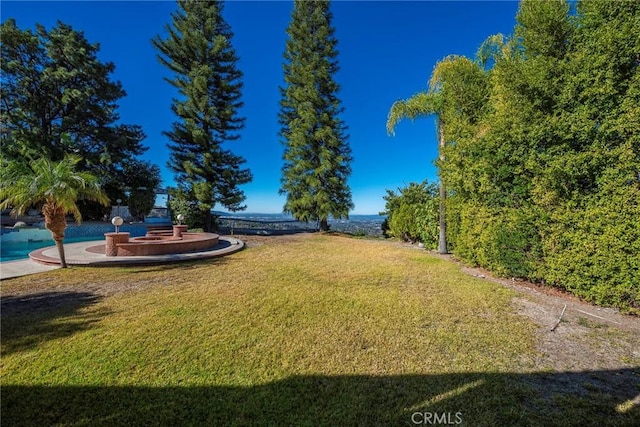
55	187
446	98
424	104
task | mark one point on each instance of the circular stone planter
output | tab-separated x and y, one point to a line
167	245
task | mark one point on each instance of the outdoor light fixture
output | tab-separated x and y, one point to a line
180	218
117	221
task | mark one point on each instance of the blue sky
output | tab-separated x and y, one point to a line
387	51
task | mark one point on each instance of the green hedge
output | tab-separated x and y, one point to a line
591	249
594	252
505	240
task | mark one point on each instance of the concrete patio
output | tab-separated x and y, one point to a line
92	254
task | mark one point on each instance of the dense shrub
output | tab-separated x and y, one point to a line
180	202
544	182
594	251
557	187
505	240
412	213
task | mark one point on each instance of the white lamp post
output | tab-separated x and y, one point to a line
117	221
180	218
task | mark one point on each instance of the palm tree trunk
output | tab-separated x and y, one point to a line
60	246
55	221
442	242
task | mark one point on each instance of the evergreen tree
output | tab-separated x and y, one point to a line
317	155
58	99
141	188
199	52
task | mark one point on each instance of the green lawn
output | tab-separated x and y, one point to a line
302	330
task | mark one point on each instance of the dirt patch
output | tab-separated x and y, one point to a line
579	341
592	350
587	338
583	350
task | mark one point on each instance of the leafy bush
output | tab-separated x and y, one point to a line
593	251
412	213
548	187
180	202
142	178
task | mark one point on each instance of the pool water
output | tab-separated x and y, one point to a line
17	243
11	251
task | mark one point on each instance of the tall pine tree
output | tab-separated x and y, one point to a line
317	155
199	52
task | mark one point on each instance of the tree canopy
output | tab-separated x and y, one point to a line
55	85
57	98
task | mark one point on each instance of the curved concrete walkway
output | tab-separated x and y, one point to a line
92	254
22	267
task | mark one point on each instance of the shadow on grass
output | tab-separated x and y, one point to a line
29	320
484	399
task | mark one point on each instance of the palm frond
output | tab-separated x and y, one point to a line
421	104
441	69
44	182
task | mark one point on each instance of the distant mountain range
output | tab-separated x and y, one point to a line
361	224
286	217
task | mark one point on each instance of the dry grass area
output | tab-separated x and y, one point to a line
294	330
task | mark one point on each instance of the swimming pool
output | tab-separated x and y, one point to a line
17	243
12	251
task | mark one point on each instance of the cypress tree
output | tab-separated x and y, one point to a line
317	155
199	52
